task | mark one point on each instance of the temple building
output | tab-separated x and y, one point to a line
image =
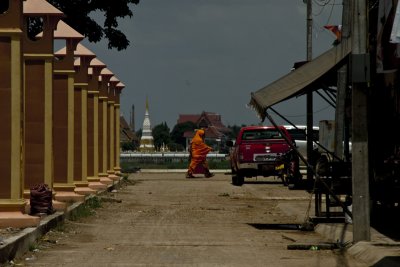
215	130
147	141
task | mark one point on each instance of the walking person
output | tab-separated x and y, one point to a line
198	151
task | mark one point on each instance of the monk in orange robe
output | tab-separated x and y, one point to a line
198	151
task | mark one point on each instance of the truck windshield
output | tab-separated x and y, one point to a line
261	134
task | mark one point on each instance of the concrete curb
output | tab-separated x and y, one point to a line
17	245
380	251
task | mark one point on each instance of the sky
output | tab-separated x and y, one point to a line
190	56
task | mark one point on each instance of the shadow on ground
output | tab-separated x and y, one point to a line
389	261
386	220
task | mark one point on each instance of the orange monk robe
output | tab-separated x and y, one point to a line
199	150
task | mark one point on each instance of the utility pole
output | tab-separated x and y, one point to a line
340	114
360	153
310	122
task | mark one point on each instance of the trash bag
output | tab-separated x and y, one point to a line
41	200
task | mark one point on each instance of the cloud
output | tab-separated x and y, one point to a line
209	55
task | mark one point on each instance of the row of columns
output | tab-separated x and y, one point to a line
59	113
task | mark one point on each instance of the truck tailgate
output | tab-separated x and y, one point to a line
261	151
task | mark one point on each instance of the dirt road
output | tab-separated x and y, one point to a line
167	220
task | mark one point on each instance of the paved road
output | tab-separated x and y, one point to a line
167	220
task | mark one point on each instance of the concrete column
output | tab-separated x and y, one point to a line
12	204
119	87
80	144
94	126
105	136
63	115
104	79
83	57
111	126
117	168
38	90
92	142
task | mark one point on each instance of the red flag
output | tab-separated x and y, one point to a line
336	30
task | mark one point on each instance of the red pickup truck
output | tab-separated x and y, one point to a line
263	151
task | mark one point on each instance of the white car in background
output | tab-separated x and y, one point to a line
299	134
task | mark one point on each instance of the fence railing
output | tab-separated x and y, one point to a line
159	157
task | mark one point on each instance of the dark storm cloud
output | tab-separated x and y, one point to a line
209	55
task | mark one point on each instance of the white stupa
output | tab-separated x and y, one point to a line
146	141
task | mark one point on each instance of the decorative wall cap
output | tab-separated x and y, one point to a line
40	7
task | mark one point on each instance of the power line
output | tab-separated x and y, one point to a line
304	115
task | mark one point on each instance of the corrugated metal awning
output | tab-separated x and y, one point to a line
291	84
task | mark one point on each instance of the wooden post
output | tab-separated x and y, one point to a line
360	152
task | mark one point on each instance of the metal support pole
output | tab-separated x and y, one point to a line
310	122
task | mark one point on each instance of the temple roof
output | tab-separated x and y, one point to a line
210	121
127	135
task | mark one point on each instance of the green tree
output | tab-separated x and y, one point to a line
78	16
161	135
127	146
178	131
234	131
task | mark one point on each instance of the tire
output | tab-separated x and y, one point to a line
234	179
240	179
237	180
